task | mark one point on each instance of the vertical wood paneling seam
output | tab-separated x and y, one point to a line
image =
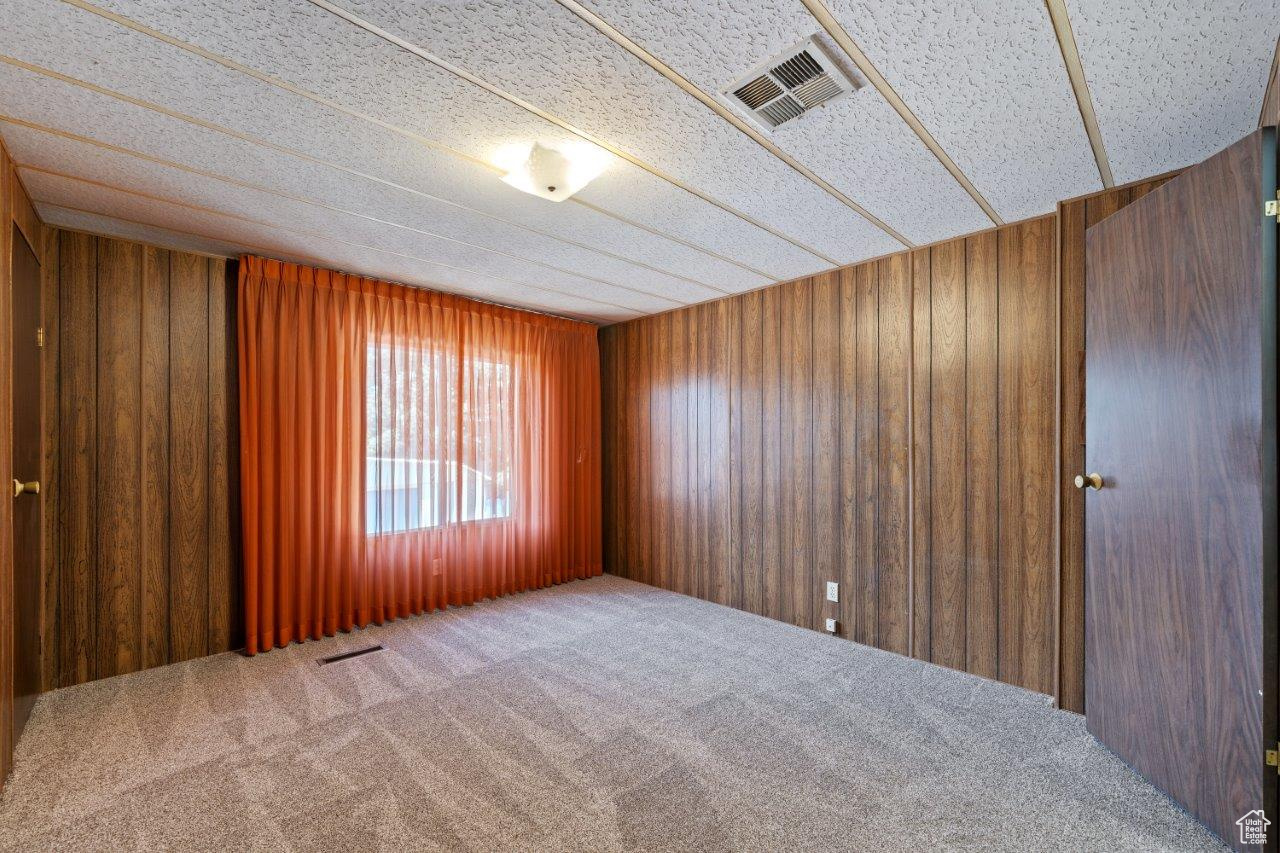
875	518
96	668
1057	464
210	486
911	457
209	490
139	491
50	645
999	564
967	472
814	582
783	388
838	413
933	487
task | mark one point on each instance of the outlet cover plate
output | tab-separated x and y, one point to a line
833	591
831	626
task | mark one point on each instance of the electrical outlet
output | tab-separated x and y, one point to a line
831	626
833	591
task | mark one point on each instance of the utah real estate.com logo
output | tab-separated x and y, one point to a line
1253	827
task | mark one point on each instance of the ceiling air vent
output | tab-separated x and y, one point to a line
789	85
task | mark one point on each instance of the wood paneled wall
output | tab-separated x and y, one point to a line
894	426
1074	217
142	566
761	445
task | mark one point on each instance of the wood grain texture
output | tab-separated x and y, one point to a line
893	599
188	545
1181	588
827	551
51	491
982	430
891	425
946	424
77	394
835	425
1027	389
116	497
154	385
146	557
1074	217
8	188
26	464
921	419
865	418
226	616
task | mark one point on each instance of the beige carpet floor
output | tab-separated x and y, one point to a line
598	715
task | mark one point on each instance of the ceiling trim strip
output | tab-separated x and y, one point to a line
562	124
312	234
203	173
268	79
725	113
836	30
1080	86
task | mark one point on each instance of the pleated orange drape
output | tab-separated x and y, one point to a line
404	450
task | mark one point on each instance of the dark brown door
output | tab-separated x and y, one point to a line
27	501
1181	602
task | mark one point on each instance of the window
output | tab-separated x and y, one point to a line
438	439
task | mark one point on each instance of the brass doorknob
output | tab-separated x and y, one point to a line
30	488
1093	481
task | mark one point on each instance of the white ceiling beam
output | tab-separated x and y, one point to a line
1080	86
836	30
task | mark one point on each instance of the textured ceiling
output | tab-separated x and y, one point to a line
360	134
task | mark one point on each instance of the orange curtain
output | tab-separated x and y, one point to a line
403	450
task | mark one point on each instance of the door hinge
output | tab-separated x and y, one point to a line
1273	757
40	336
1272	208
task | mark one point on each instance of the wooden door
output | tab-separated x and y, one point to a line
27	502
1181	602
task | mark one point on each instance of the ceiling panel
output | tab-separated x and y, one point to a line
988	82
858	143
150	179
143	67
318	52
77	196
282	122
542	52
375	207
1173	83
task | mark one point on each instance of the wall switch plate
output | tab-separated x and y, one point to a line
833	591
831	626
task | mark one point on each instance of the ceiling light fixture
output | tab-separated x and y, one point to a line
551	173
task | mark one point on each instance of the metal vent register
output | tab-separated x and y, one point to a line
787	86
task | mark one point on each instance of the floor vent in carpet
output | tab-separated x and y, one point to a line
346	655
